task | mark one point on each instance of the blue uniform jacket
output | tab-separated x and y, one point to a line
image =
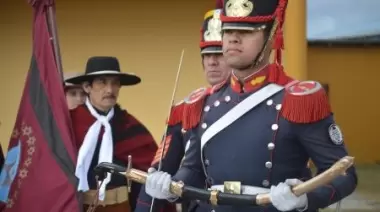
170	163
262	148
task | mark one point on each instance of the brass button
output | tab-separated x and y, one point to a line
268	164
207	108
271	146
265	183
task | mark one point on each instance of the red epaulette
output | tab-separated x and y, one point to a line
176	114
193	107
305	102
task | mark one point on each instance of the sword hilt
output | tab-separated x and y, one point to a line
133	175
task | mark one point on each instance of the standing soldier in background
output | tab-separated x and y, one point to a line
104	132
177	141
74	93
260	127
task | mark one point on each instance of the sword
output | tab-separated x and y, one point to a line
167	126
219	198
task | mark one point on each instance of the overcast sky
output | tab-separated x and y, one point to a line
329	19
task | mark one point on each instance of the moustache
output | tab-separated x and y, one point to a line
110	97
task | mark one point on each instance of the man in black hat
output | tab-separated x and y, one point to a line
177	140
106	133
74	93
259	129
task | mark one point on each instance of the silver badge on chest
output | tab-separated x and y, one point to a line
336	135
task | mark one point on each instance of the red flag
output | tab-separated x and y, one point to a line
38	174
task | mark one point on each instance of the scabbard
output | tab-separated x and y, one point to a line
218	198
192	193
237	199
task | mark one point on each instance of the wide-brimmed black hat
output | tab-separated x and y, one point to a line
68	76
211	33
104	66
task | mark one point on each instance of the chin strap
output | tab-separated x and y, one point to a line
257	61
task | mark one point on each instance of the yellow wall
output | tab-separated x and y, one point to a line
146	36
148	40
353	77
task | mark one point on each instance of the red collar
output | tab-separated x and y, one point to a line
251	83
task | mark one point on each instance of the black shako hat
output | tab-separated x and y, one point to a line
211	33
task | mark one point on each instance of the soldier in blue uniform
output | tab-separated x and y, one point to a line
257	131
177	140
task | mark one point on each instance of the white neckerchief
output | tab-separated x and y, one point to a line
86	151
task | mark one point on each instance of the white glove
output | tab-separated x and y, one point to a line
158	184
283	198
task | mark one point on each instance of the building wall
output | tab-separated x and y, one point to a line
148	37
352	75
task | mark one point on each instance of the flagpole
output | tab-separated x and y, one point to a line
54	37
